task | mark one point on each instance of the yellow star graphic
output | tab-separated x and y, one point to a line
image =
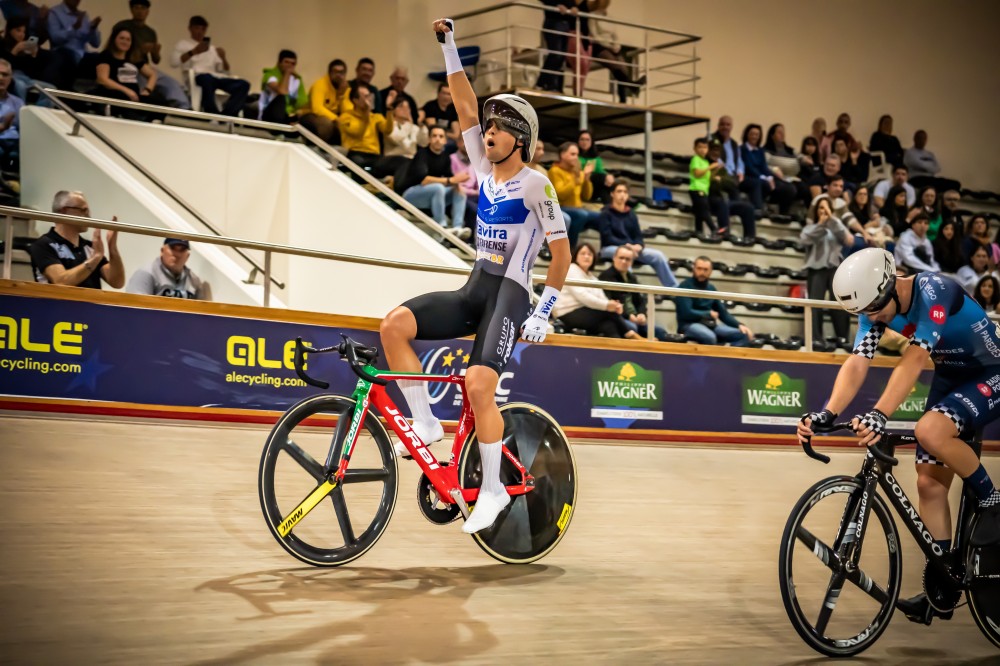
448	358
458	353
466	359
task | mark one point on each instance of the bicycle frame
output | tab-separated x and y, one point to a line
444	478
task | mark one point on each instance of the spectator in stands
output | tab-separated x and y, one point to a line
364	72
895	210
855	163
430	183
861	205
930	205
924	167
329	96
978	267
707	321
169	275
401	143
118	75
781	159
731	156
864	221
619	226
30	63
536	160
987	293
10	124
818	131
878	231
360	127
607	48
398	80
883	139
210	67
283	98
914	251
460	164
633	302
599	177
558	22
71	31
978	235
724	199
701	171
146	49
843	129
62	256
587	308
573	187
34	15
948	249
820	182
950	211
774	189
808	159
825	236
440	112
900	176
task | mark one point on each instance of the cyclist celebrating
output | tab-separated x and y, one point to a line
518	209
944	323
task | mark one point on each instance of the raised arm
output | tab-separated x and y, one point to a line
462	95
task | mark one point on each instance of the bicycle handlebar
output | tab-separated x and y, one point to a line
837	427
356	354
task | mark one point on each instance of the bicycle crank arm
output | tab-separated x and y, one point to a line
307	505
456	496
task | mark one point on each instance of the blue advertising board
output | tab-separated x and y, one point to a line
72	350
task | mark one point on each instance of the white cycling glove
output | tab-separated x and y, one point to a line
537	325
452	62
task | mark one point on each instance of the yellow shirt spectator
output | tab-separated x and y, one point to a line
359	130
325	101
572	187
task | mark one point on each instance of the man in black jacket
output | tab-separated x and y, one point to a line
428	182
619	227
633	302
706	320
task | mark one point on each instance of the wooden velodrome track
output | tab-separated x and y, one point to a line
142	542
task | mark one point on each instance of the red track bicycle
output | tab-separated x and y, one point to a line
359	470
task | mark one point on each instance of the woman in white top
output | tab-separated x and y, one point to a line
401	144
588	308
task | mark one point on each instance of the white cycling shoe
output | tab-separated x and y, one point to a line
428	434
484	514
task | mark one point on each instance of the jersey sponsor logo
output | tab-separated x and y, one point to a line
511	190
968	403
909	330
982	327
507	337
491	257
524	259
925	286
511	211
938	315
484	231
550	191
985	390
495	245
546	210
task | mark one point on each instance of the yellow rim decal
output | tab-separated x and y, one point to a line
307	505
564	517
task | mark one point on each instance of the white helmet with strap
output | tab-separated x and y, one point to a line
514	115
866	281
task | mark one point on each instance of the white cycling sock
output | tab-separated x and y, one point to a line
418	400
491	455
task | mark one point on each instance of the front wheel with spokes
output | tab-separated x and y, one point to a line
837	608
315	520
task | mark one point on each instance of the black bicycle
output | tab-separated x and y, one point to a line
840	582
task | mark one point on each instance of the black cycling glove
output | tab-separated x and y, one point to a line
874	421
822	420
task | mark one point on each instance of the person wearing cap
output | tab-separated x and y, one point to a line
518	211
169	275
944	325
146	48
62	256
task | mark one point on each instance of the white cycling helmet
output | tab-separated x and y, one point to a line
513	114
866	281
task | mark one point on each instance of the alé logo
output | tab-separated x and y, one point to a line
914	404
627	385
773	393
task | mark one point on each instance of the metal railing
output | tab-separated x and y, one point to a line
666	58
10	214
279	132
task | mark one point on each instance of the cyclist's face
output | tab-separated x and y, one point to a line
499	144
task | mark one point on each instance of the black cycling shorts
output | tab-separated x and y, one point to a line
490	306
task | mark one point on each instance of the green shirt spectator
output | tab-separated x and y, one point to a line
700	183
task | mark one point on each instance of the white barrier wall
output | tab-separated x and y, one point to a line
258	189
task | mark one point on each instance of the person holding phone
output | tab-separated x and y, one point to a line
30	63
147	50
211	69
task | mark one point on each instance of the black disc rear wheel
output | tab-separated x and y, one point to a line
984	589
533	523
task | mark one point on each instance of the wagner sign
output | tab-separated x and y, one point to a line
773	397
626	391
